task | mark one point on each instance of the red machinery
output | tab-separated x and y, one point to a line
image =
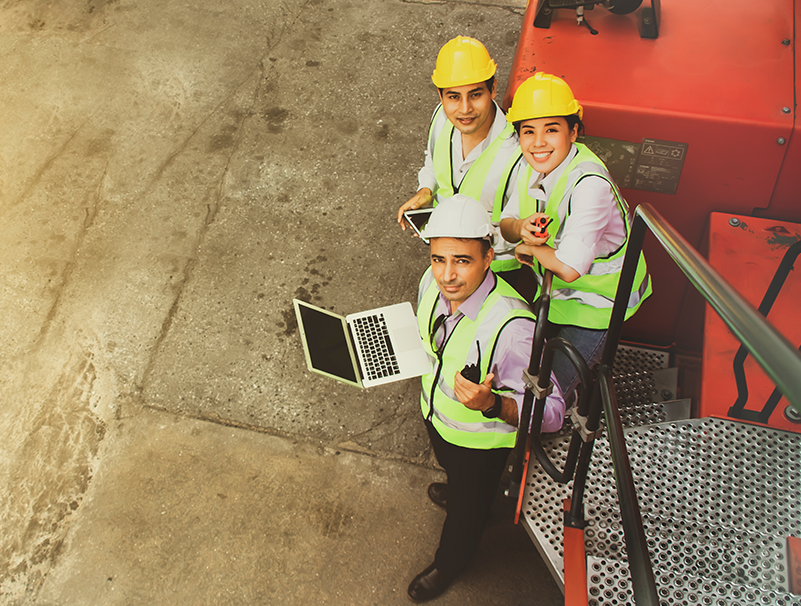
696	120
692	106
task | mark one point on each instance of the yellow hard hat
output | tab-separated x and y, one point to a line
542	96
462	61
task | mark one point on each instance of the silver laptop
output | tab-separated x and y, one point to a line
364	349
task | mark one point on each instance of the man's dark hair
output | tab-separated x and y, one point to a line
490	83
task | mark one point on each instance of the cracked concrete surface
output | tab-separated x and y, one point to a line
171	176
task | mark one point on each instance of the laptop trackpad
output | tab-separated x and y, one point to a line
406	340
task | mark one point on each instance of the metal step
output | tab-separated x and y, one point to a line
706	552
718	500
629	360
609	584
649	397
646	387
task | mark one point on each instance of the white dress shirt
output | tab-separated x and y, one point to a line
594	227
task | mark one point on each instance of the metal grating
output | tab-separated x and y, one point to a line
630	360
608	583
718	499
640	394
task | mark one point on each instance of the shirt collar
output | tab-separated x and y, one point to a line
472	304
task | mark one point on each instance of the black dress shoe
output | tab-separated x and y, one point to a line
428	585
438	493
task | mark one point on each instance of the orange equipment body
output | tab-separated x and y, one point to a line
700	119
747	251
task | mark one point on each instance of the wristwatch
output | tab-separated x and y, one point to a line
494	411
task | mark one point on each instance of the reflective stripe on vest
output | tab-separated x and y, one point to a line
487	179
456	423
587	301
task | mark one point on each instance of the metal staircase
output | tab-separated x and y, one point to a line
718	500
655	507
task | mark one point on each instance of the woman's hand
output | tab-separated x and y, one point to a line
524	254
532	231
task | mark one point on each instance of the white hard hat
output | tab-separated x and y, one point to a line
459	217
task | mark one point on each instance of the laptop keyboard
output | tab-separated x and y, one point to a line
379	356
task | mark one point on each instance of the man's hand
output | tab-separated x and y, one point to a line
480	397
420	199
475	396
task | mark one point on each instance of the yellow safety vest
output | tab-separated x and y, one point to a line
456	423
587	301
487	180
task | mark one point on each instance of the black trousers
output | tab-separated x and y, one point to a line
473	478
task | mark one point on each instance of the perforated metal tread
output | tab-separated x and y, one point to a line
609	584
629	360
640	396
643	382
697	509
708	552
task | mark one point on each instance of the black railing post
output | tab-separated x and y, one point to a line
540	366
627	274
575	517
574	357
624	285
519	459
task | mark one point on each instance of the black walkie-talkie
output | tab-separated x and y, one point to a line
472	372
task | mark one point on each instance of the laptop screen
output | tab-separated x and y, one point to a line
326	343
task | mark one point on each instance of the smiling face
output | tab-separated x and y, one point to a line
546	142
470	108
459	266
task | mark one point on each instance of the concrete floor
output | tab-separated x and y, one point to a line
171	176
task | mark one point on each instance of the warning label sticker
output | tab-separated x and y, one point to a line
659	166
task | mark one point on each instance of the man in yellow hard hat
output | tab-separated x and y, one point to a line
471	148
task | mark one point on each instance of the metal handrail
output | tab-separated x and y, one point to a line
642	573
533	370
585	379
779	359
773	352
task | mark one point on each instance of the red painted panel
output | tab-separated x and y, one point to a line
522	492
786	198
794	564
747	256
717	78
575	564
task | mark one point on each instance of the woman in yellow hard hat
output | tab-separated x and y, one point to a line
569	217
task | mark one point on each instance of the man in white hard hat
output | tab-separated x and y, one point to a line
467	316
471	148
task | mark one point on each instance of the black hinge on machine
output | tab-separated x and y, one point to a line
649	19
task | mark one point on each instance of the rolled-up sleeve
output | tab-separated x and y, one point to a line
592	203
511	358
427	177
